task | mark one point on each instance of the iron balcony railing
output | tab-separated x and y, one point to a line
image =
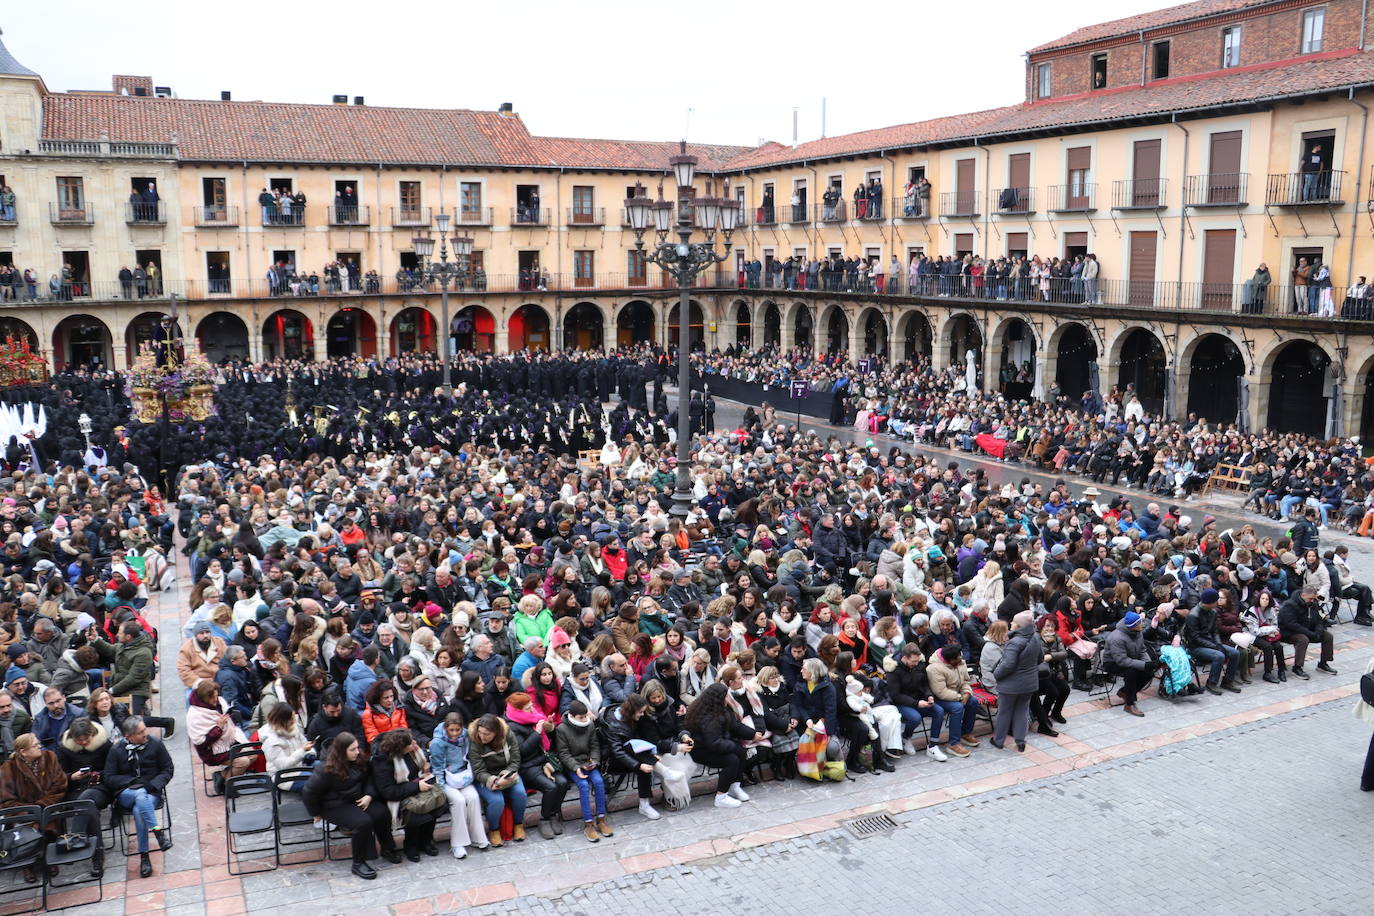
1073	198
527	214
216	217
349	215
796	213
473	216
766	215
1300	189
586	216
959	203
279	216
99	290
1218	189
79	215
832	213
868	210
1139	193
145	212
412	216
1013	201
912	206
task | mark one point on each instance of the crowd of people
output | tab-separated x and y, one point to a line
452	604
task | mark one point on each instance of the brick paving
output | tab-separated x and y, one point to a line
1196	748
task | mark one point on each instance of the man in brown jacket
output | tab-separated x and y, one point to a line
199	657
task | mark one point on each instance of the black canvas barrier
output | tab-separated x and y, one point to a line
817	404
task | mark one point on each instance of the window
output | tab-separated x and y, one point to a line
470	201
1099	73
635	269
583	198
1313	23
584	268
71	198
217	271
410	201
213	194
1161	61
1230	47
527	204
1042	81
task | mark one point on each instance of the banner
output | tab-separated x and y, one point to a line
816	405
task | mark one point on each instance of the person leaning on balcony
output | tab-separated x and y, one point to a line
269	206
1256	290
1091	271
1300	275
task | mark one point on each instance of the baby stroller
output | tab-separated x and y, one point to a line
1176	676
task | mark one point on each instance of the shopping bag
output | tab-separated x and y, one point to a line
811	753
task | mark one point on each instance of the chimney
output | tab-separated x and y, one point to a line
507	110
225	95
357	100
341	100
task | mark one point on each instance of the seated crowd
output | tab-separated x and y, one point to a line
558	631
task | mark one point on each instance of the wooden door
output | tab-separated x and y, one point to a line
1142	268
1223	179
1145	186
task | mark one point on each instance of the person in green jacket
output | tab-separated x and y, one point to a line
132	675
533	620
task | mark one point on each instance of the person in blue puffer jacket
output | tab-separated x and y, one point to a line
448	758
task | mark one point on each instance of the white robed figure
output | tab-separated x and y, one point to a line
970	371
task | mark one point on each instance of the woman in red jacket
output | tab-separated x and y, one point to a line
382	713
1068	625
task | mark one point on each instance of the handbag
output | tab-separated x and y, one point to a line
1083	648
811	754
1244	640
1367	688
425	801
19	844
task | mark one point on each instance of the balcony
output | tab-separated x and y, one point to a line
870	211
70	215
1073	198
911	208
529	215
590	217
411	216
1014	201
766	215
281	218
108	148
1139	194
963	204
220	217
796	213
1223	189
351	215
473	216
831	213
1304	189
145	213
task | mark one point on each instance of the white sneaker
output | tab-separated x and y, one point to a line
647	810
908	747
738	793
934	753
460	852
725	801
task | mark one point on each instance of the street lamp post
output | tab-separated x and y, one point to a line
684	260
444	273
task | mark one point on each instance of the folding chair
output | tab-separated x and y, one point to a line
12	819
236	751
242	818
73	819
128	834
291	811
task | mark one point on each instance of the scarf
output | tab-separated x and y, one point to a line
732	698
589	695
531	717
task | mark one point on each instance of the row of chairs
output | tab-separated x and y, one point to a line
46	862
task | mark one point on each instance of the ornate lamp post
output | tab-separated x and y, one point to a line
444	273
684	260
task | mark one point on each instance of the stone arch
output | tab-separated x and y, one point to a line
1361	395
1214	367
635	323
528	328
959	334
473	328
772	325
20	330
742	317
802	323
1139	356
1013	346
351	332
288	334
915	335
1075	358
82	340
1295	377
223	336
584	327
834	329
875	333
414	330
696	318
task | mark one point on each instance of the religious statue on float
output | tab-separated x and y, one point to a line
169	375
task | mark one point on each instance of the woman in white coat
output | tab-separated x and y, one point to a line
987	585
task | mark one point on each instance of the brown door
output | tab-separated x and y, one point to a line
964	174
1223	182
1218	269
1080	161
963	243
1017	244
1145	190
1018	181
1142	268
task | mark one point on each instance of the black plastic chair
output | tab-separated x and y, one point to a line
241	818
73	819
236	750
11	819
291	811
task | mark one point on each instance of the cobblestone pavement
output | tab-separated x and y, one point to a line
1178	829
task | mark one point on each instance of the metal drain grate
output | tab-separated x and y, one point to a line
870	826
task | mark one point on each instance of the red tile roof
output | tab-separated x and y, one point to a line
1333	71
279	132
1152	20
